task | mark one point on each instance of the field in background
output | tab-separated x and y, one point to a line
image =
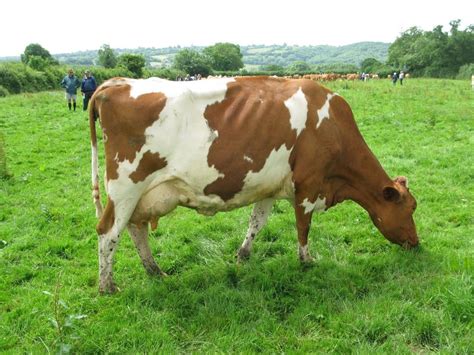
362	295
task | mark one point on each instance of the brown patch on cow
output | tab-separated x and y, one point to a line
149	163
251	122
124	121
108	218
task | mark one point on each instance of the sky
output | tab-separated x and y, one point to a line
70	26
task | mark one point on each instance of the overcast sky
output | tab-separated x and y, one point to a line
69	26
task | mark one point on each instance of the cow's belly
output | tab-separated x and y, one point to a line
162	197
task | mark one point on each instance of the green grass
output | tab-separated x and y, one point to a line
363	294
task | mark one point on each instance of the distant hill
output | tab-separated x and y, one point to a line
254	56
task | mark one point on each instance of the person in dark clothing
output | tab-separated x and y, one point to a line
87	88
394	78
70	82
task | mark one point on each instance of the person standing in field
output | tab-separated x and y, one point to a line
70	83
87	88
401	77
394	78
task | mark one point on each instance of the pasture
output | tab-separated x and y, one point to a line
362	294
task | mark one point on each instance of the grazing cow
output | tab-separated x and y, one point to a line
221	144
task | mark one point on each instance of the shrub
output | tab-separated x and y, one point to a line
165	73
3	91
9	79
466	71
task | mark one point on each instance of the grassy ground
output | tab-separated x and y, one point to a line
362	295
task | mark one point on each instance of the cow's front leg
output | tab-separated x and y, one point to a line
139	234
303	224
258	219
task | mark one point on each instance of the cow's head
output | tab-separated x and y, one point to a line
394	216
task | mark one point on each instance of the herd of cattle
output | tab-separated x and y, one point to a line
330	76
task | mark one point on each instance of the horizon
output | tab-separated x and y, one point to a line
195	46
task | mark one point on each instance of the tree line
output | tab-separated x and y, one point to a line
432	53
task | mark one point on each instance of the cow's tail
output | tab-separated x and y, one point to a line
95	158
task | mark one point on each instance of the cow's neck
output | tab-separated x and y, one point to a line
359	177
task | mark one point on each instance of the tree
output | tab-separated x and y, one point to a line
107	57
192	62
433	53
224	56
37	51
370	65
299	67
273	68
132	62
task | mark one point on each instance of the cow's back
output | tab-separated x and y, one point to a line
219	144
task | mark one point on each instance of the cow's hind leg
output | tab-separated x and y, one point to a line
139	235
110	226
258	219
109	235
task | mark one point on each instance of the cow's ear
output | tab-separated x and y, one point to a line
402	180
391	194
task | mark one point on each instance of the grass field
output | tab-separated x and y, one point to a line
362	295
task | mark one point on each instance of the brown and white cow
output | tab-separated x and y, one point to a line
217	145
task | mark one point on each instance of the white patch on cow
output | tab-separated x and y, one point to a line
181	136
94	163
319	205
298	107
274	179
247	158
323	112
303	252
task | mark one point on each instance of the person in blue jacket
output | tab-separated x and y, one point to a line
70	83
87	88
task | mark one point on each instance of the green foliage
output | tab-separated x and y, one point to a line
107	57
254	56
433	53
224	56
192	62
165	73
36	52
273	68
9	78
38	63
370	65
17	77
363	295
133	63
373	66
299	67
3	91
103	74
466	71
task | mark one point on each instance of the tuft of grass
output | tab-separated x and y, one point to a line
362	295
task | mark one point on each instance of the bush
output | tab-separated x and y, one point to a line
3	91
466	71
9	80
165	73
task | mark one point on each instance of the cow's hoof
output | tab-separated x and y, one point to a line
243	255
